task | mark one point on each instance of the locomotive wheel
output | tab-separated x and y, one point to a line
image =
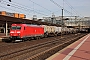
55	34
23	40
46	35
37	38
13	41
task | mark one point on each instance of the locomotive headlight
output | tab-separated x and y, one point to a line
18	32
11	32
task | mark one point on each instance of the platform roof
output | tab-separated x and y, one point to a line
11	20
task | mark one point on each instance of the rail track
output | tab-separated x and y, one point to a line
36	49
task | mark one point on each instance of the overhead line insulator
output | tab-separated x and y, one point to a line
9	0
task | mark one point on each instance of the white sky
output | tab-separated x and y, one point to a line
43	8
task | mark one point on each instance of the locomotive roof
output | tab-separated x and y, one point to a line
28	25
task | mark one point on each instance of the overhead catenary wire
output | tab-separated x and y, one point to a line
40	6
29	7
14	6
60	6
77	13
22	8
65	10
7	8
11	9
35	10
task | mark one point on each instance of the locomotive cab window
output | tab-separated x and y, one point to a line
16	27
13	27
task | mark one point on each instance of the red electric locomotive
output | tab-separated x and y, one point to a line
24	31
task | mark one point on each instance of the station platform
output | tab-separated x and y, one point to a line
3	36
79	50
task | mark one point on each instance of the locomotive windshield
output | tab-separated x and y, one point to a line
16	27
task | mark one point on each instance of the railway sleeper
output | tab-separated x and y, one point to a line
47	53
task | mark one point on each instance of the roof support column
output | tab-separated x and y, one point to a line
6	28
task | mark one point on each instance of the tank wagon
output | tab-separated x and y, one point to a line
25	31
51	30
